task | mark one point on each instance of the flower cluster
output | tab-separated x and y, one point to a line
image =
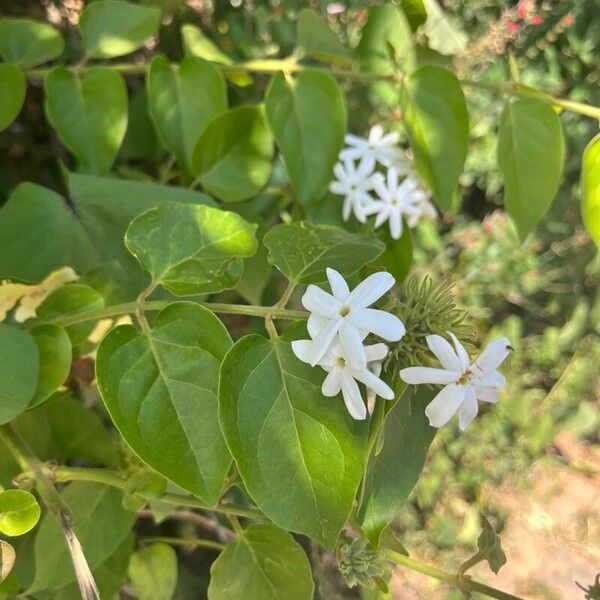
338	325
392	195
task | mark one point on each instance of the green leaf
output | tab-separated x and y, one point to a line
141	139
12	84
490	546
302	251
398	255
19	369
153	572
264	562
161	391
530	141
590	189
113	28
89	114
101	524
415	13
233	155
7	559
437	124
191	249
19	512
182	100
29	43
443	35
393	470
68	300
300	455
55	355
386	44
316	40
308	118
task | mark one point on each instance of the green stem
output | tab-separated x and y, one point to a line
183	542
115	479
230	309
465	583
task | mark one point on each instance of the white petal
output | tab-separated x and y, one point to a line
347	208
440	410
319	301
354	140
314	324
332	384
365	167
323	340
381	323
382	216
494	354
376	352
339	172
486	394
463	357
301	348
375	134
490	379
372	208
396	224
352	398
417	375
352	347
353	153
336	187
468	409
392	180
338	284
371	289
443	352
374	383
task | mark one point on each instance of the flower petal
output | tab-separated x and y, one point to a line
494	354
374	383
338	284
332	384
490	379
352	346
417	375
463	357
443	352
314	324
486	394
396	224
319	301
323	340
440	410
365	166
352	398
380	322
468	409
301	348
371	289
376	352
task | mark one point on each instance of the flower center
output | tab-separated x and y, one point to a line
341	362
344	311
465	378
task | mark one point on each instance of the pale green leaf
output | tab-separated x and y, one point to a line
443	35
300	455
19	512
437	124
302	251
590	189
316	40
160	388
530	157
191	249
12	84
264	562
182	100
112	28
308	118
233	156
19	369
29	43
89	114
153	572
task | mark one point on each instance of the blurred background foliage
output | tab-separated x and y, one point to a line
543	294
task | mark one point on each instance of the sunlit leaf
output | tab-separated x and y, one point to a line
153	572
29	43
590	189
19	512
315	39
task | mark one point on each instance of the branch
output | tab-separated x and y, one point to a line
175	541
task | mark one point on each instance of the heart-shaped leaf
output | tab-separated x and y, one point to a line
28	43
12	84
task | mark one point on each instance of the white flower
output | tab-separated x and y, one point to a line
342	377
464	383
424	207
346	312
379	147
395	201
354	183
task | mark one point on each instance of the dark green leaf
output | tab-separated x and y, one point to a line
112	28
12	84
490	546
89	114
19	369
153	572
55	354
233	155
437	123
302	251
141	139
397	257
415	13
394	468
191	249
308	118
316	40
264	562
19	512
182	100
590	189
530	156
300	455
29	43
161	391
